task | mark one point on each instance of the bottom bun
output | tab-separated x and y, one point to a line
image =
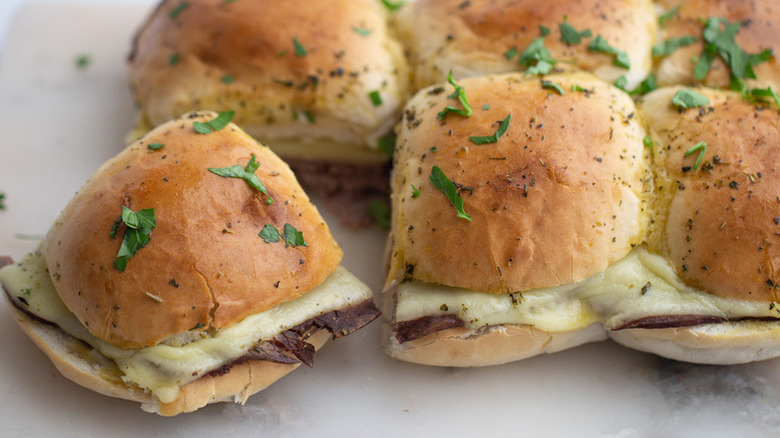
724	343
493	345
87	367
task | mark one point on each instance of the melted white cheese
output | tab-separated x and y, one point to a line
640	285
163	368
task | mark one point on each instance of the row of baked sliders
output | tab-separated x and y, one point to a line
531	211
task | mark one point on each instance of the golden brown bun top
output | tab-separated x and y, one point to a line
556	199
472	38
242	56
760	30
205	265
719	224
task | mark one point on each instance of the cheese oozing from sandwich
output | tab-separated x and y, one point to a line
162	368
640	285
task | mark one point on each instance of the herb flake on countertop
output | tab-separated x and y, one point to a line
82	61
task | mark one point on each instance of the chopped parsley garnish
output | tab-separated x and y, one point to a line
570	35
376	98
309	116
299	49
502	128
599	44
441	182
362	31
536	58
2	201
138	231
393	6
415	191
269	234
293	237
215	124
155	146
228	79
766	92
666	16
722	43
460	94
621	82
511	53
548	85
669	46
83	61
174	59
179	9
246	173
485	107
576	87
379	212
649	84
290	235
701	147
689	99
386	144
647	141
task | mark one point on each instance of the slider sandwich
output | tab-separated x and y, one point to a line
509	194
718	43
714	244
190	269
320	82
609	38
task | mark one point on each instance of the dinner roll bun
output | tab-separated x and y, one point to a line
760	30
87	367
718	223
560	196
205	265
480	37
291	69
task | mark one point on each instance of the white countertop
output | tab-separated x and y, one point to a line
59	123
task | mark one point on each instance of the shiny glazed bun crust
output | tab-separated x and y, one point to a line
556	199
719	224
472	38
760	30
293	68
205	265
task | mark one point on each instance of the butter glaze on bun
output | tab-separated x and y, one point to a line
292	69
476	37
203	260
718	224
760	30
558	198
582	150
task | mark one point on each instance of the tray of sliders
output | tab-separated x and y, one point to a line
256	218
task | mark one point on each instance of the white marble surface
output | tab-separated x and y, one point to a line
58	123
